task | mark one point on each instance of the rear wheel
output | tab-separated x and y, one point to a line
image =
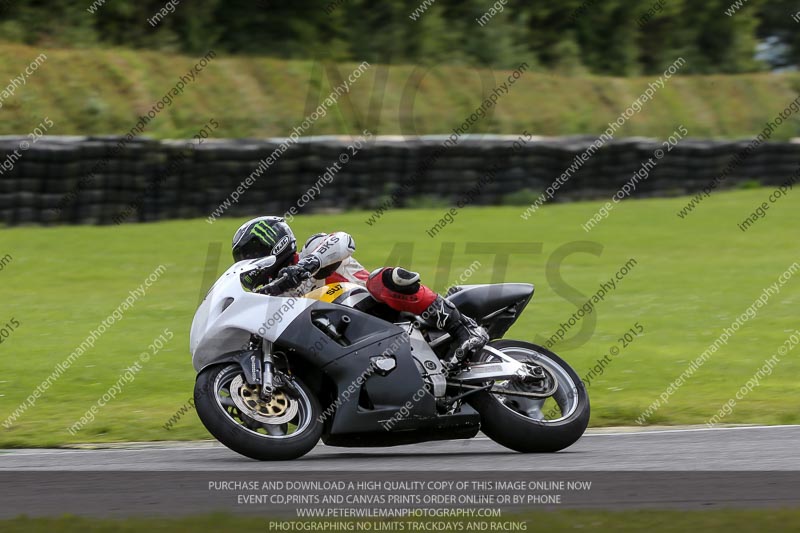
546	414
286	427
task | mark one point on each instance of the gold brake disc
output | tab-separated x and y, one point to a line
279	410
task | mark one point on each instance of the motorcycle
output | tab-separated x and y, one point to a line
266	366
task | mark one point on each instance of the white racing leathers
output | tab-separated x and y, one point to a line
337	264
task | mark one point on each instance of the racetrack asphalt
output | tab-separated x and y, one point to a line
754	448
687	468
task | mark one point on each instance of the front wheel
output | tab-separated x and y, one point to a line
286	427
547	414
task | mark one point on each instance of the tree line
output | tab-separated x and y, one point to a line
605	37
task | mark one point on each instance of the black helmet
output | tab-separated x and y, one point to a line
265	236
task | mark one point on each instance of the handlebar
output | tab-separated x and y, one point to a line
266	289
272	284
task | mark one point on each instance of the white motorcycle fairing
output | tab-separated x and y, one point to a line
229	315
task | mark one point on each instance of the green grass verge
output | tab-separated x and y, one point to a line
91	91
692	279
742	521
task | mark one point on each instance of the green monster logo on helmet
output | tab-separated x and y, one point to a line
265	233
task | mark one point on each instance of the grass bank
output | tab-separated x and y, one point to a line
744	521
92	91
691	279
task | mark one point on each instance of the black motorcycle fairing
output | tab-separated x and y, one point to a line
365	401
369	402
364	397
494	306
310	333
464	424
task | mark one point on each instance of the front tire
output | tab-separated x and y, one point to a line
286	428
521	423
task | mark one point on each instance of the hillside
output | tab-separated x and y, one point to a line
93	92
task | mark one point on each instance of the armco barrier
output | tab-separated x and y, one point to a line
89	180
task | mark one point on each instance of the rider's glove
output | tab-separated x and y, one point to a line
293	276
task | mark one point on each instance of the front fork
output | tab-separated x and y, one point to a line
268	375
258	367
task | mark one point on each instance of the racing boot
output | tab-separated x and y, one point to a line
469	337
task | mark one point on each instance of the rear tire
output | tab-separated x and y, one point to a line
520	432
220	419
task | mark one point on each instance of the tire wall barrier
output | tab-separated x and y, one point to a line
107	180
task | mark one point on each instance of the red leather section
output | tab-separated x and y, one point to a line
413	303
362	275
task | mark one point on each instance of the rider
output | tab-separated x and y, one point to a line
328	258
